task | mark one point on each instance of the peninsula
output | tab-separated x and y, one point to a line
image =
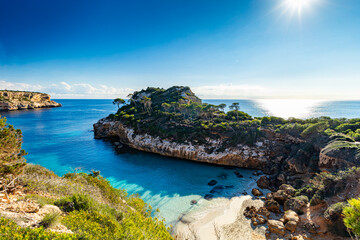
310	164
18	100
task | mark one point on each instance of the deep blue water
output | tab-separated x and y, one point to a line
61	139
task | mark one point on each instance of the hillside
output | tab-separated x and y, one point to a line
35	203
17	100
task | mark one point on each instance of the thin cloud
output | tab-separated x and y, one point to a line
66	90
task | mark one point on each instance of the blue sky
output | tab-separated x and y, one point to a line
237	49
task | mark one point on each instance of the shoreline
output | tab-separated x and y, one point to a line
221	218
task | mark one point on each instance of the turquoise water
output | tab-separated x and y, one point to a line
61	139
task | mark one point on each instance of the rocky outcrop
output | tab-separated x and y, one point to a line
17	100
340	155
256	156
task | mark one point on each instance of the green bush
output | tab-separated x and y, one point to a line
352	216
315	128
11	231
75	202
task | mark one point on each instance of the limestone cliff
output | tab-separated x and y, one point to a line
17	100
256	156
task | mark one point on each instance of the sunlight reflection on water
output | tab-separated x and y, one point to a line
289	108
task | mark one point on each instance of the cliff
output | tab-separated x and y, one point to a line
242	155
17	100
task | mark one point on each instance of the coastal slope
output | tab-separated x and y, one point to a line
17	100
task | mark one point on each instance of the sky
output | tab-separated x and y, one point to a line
229	49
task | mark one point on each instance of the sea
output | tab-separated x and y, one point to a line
62	140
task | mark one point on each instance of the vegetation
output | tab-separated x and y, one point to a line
91	207
177	114
11	154
50	219
352	216
10	230
119	101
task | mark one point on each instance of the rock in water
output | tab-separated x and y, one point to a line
256	192
238	174
212	183
217	189
208	196
263	182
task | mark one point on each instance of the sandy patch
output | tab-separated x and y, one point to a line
221	219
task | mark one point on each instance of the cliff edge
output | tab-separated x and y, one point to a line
17	100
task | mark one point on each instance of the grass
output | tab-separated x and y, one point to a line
50	219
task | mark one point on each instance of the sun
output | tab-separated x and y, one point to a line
297	6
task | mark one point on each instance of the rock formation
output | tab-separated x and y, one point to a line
256	156
17	100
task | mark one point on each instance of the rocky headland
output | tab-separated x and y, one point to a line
18	100
311	165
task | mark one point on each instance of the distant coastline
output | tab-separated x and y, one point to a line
18	100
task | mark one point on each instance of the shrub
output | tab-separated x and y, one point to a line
75	202
11	231
352	216
315	128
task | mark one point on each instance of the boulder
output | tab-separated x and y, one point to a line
311	227
288	189
272	206
208	196
250	212
281	196
193	202
290	215
212	183
270	195
239	175
296	204
256	192
263	182
263	212
291	226
277	227
335	219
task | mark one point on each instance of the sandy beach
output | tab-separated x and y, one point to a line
221	219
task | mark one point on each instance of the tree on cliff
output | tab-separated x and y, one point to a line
222	106
146	101
118	102
235	107
11	154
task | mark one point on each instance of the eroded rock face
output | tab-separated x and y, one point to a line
339	155
256	156
13	100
